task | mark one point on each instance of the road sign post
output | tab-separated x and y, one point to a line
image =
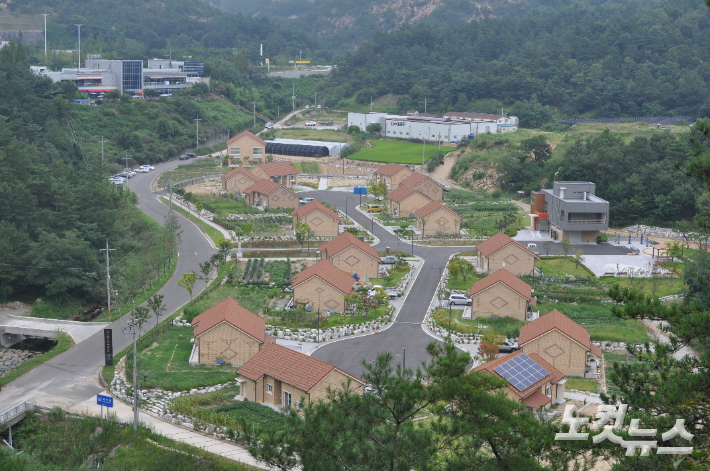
104	401
108	347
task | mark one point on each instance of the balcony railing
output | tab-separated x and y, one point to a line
586	221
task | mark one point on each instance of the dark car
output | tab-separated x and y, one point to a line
183	157
192	155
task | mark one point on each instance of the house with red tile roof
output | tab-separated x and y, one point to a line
405	201
279	172
238	180
269	194
322	286
228	333
352	255
501	294
561	342
392	174
536	384
501	251
435	219
427	185
246	146
322	220
279	376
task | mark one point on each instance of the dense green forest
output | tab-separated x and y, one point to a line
607	60
57	208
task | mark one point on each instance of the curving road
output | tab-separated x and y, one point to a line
72	377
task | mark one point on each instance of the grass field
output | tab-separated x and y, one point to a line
397	152
664	286
212	233
306	167
581	384
560	266
173	348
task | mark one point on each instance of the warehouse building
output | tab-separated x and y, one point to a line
303	148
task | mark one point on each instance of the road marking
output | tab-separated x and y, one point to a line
195	253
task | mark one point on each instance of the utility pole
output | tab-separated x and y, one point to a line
424	105
293	98
370	104
102	151
108	276
134	327
340	147
424	148
316	100
45	34
197	135
125	169
254	112
79	26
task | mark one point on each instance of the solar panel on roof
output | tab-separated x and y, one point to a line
522	372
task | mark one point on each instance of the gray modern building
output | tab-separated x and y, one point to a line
570	210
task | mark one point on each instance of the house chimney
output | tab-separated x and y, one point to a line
562	192
585	196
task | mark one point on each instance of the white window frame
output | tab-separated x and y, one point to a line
287	399
269	388
235	150
258	151
548	391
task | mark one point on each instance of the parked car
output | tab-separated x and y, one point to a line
392	293
374	208
310	123
318	107
131	173
192	155
306	200
325	123
455	299
269	125
326	108
390	259
120	175
149	167
183	157
308	107
141	170
117	180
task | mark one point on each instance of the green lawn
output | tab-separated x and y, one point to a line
307	167
212	233
397	152
582	384
396	273
600	322
560	266
663	286
461	284
174	348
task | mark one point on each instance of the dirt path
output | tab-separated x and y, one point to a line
655	331
442	171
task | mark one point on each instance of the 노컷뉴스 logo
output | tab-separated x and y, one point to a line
606	413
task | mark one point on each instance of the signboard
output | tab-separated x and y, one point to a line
108	347
303	62
104	400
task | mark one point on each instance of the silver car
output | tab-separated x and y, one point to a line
455	299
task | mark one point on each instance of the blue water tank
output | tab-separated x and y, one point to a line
363	190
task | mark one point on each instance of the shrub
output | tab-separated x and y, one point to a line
190	312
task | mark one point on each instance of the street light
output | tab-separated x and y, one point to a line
404	359
78	26
450	318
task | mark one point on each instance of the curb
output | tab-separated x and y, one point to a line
204	234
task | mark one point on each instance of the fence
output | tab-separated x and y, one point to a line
195	180
14	414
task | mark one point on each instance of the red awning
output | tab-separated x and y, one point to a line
139	91
596	351
536	400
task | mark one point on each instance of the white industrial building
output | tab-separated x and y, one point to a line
446	129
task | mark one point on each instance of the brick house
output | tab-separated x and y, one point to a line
502	294
436	219
238	180
279	376
228	332
560	341
279	172
269	194
500	251
322	286
405	200
392	175
541	393
322	220
427	185
352	255
246	145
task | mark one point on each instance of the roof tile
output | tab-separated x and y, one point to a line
231	312
505	277
312	206
241	170
345	240
389	169
263	186
429	208
551	321
289	366
403	192
246	133
416	178
277	169
493	244
326	271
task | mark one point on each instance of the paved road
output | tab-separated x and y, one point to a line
72	377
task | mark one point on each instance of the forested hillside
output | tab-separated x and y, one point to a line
608	60
57	208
